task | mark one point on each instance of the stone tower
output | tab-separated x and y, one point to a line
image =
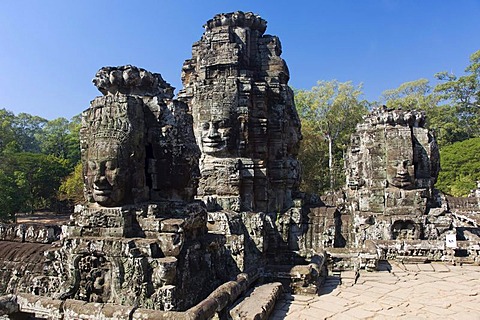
392	165
148	134
245	121
140	223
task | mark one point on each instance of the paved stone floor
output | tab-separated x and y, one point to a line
413	291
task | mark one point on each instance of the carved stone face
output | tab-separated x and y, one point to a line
398	173
216	136
404	230
105	178
399	157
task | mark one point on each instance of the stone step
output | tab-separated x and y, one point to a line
412	259
258	304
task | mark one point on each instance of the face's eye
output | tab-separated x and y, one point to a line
111	165
206	126
92	165
224	124
225	132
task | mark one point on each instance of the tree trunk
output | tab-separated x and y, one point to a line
330	161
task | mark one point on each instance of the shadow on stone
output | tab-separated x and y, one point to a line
384	265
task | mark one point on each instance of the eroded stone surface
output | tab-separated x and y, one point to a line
140	239
392	165
137	143
8	305
245	121
29	232
259	303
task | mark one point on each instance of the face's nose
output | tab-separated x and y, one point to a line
100	173
213	130
402	167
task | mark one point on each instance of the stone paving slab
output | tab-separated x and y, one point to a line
440	267
410	291
425	267
411	267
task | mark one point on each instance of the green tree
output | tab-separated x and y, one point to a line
411	95
36	155
463	94
7	134
53	139
73	140
10	199
60	138
71	188
329	113
460	163
27	128
441	118
37	177
313	155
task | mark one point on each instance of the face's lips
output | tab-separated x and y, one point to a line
402	176
213	143
102	190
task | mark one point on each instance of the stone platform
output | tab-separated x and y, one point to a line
399	291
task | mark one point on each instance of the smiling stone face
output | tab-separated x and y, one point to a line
399	157
216	135
400	176
113	151
106	180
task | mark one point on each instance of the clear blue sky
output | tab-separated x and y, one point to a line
50	50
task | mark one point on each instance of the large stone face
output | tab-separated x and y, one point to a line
392	165
245	121
137	143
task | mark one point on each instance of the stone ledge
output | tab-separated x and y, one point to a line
45	307
259	304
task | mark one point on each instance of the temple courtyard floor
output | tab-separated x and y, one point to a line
398	291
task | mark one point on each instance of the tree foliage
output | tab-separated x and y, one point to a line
36	155
60	138
7	133
10	199
37	177
71	188
460	163
27	129
411	95
329	113
420	95
463	94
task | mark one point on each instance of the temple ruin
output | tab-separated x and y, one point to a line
192	205
245	120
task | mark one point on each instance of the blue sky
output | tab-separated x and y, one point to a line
50	50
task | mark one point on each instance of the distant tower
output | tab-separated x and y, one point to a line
392	165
